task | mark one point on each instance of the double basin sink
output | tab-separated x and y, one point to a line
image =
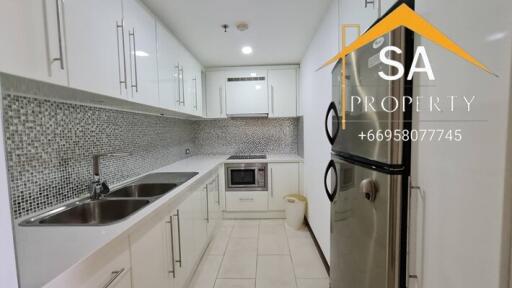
114	206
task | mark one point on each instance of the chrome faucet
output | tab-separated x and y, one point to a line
99	187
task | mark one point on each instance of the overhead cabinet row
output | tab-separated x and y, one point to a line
112	47
271	92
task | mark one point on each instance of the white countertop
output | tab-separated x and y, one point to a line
45	252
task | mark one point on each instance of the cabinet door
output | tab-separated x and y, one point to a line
190	232
150	256
33	44
284	180
213	206
215	94
283	93
94	34
189	83
108	267
140	38
168	68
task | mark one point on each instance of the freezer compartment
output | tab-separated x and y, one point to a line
365	226
368	105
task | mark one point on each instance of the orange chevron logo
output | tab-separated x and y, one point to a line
403	15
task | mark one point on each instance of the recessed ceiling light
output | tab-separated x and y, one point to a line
247	50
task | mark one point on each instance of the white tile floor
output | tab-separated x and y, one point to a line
260	254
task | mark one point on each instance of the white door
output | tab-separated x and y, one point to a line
150	256
282	85
168	68
33	43
284	180
94	35
140	35
215	94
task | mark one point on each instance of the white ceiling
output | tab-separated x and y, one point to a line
279	30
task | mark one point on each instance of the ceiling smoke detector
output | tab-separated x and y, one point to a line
242	26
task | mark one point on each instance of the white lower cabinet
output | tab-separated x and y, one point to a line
214	206
283	180
108	268
152	255
247	201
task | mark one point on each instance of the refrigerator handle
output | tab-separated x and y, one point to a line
331	195
332	138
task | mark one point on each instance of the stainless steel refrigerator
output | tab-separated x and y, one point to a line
369	179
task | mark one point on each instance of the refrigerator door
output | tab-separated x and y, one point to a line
364	227
368	104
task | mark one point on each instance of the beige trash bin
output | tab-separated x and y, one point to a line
295	210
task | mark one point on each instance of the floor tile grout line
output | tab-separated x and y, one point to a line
291	258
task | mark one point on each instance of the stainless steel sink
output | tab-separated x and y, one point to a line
116	205
88	212
145	190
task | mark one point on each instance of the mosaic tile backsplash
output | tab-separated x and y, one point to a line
50	146
248	136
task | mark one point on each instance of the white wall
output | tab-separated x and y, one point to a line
464	183
7	259
316	93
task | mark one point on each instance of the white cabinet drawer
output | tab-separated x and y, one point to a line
246	201
108	267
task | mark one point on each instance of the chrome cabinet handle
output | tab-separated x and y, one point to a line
246	199
195	92
218	190
115	275
220	100
136	85
207	206
272	97
271	183
177	67
179	237
173	271
59	36
121	81
182	85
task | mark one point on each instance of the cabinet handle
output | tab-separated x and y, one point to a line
173	271
182	78
207	206
195	92
218	190
177	67
136	85
121	81
272	97
271	183
220	100
115	275
59	37
179	236
246	199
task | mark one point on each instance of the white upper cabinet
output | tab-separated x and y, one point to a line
140	35
33	42
168	68
215	94
246	92
284	180
192	99
94	35
282	85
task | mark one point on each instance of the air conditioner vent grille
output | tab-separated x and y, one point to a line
238	79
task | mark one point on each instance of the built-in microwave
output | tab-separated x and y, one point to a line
246	176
